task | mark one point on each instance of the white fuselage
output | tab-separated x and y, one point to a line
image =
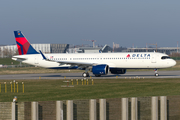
113	60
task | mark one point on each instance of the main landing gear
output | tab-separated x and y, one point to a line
156	73
85	74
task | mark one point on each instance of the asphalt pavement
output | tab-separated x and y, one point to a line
128	75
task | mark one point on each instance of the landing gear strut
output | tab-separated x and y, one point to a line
156	73
85	74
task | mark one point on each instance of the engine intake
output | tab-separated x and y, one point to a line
100	69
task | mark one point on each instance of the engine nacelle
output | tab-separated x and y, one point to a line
117	71
100	69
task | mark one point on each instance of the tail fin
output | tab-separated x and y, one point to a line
23	45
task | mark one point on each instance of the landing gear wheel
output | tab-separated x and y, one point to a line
85	74
98	75
156	74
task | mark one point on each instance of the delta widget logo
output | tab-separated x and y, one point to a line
128	55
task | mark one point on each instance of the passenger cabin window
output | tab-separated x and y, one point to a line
165	57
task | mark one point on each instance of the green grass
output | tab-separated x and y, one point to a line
176	58
33	70
51	90
8	61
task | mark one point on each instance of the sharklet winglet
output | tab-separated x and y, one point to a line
43	55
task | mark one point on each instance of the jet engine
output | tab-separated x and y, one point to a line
99	70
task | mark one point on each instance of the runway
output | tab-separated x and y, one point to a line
139	74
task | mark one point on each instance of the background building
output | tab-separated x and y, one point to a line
167	50
104	49
10	50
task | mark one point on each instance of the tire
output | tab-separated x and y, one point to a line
156	74
85	74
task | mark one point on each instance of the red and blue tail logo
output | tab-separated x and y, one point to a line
128	55
24	47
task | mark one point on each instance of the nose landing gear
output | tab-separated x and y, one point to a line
156	73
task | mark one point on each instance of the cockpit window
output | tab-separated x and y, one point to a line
165	57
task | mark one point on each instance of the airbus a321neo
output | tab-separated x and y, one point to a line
97	63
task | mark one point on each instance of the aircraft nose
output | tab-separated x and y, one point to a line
173	63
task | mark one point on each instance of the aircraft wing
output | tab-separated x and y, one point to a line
72	63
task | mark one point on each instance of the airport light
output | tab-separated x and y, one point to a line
82	81
17	86
77	81
14	85
72	81
85	82
23	86
11	86
5	87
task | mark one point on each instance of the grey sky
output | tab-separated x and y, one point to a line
124	22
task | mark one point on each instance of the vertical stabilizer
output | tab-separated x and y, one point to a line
23	45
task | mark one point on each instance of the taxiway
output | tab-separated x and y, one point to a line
140	74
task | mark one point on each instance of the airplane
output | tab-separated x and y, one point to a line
97	63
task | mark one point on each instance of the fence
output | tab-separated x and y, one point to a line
141	108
